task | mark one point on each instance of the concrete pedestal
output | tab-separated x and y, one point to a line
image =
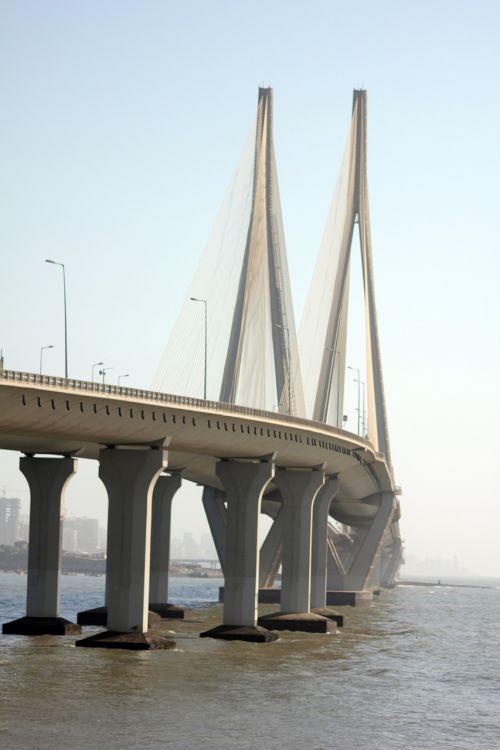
167	611
129	476
47	479
252	634
147	641
349	598
298	490
244	483
330	614
319	554
41	626
306	622
99	616
163	495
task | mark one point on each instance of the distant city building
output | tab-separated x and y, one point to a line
80	535
10	522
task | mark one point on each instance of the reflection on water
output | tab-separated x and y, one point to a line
419	670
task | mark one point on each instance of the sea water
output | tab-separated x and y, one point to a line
419	670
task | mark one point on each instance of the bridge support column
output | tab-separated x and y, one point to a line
244	483
163	494
319	557
129	476
298	489
352	587
47	479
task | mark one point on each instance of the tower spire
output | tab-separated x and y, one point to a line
327	370
264	290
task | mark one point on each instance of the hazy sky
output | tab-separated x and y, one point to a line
121	125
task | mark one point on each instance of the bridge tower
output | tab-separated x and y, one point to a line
264	297
328	314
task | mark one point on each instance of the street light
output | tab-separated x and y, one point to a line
195	299
93	368
358	381
55	263
103	372
50	346
289	359
334	352
122	376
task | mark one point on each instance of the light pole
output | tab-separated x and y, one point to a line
93	368
103	372
358	381
289	360
55	263
364	422
122	376
195	299
335	351
50	346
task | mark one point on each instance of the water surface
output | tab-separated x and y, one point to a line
420	670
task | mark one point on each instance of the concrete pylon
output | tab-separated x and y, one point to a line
129	475
351	588
298	488
320	542
47	479
163	495
244	483
264	285
329	394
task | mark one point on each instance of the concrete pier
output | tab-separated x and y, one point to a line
298	489
320	540
129	475
353	587
244	483
163	495
47	479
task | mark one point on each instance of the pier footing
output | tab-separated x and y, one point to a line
99	616
41	626
330	614
252	634
167	611
349	598
307	622
149	641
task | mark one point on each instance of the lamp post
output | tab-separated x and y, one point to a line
358	381
103	373
55	263
334	351
195	299
50	346
289	360
93	368
122	376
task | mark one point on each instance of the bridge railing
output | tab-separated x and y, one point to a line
87	386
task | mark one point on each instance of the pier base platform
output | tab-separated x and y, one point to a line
167	611
330	614
349	598
41	626
307	622
99	616
149	641
252	634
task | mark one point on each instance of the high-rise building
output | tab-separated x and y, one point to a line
10	522
81	535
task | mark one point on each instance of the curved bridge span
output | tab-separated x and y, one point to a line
52	415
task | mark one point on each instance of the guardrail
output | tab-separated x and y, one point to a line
168	398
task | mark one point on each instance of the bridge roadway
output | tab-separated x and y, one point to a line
41	414
53	416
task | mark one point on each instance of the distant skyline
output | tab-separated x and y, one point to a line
122	124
